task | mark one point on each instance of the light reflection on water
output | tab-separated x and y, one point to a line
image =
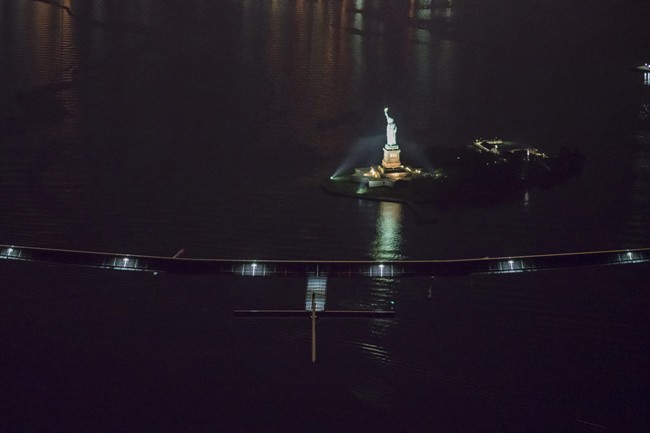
381	296
387	244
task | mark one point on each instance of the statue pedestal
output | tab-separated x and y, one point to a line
391	156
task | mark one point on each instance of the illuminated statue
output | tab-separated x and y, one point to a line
391	130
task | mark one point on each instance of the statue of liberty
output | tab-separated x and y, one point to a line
391	130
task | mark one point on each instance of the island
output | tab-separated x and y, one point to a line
484	171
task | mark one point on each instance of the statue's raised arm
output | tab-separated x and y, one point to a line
391	129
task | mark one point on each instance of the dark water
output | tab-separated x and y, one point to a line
125	351
210	126
145	127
